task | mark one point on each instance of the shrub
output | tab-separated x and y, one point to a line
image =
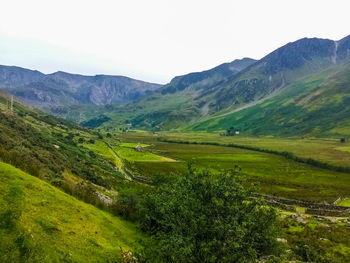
207	218
126	206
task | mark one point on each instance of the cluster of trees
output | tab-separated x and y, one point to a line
230	132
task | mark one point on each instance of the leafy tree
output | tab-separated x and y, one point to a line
231	131
203	217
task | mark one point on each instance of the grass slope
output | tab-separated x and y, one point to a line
39	223
133	156
316	106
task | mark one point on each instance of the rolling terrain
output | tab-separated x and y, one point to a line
54	92
40	222
72	193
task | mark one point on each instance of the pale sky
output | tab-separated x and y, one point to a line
155	40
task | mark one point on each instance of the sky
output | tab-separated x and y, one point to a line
155	40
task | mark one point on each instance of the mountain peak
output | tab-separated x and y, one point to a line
294	54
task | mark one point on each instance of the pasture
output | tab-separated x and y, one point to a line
276	175
327	150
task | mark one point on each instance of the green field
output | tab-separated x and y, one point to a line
326	150
275	174
132	145
100	148
344	149
345	202
39	223
132	155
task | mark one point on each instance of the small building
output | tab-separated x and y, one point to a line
139	148
237	132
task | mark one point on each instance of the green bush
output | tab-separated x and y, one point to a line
202	217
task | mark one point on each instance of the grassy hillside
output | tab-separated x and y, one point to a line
39	223
316	106
72	158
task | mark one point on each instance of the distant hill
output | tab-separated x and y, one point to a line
200	100
53	91
207	78
174	104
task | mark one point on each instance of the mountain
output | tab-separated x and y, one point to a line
301	88
197	99
11	76
278	69
53	91
318	105
207	78
174	104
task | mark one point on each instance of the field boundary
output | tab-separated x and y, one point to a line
287	155
125	171
311	207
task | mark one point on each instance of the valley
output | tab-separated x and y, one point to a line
248	160
275	174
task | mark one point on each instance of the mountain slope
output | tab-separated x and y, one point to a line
276	70
174	105
70	157
207	78
39	223
44	146
315	106
59	89
182	102
11	76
